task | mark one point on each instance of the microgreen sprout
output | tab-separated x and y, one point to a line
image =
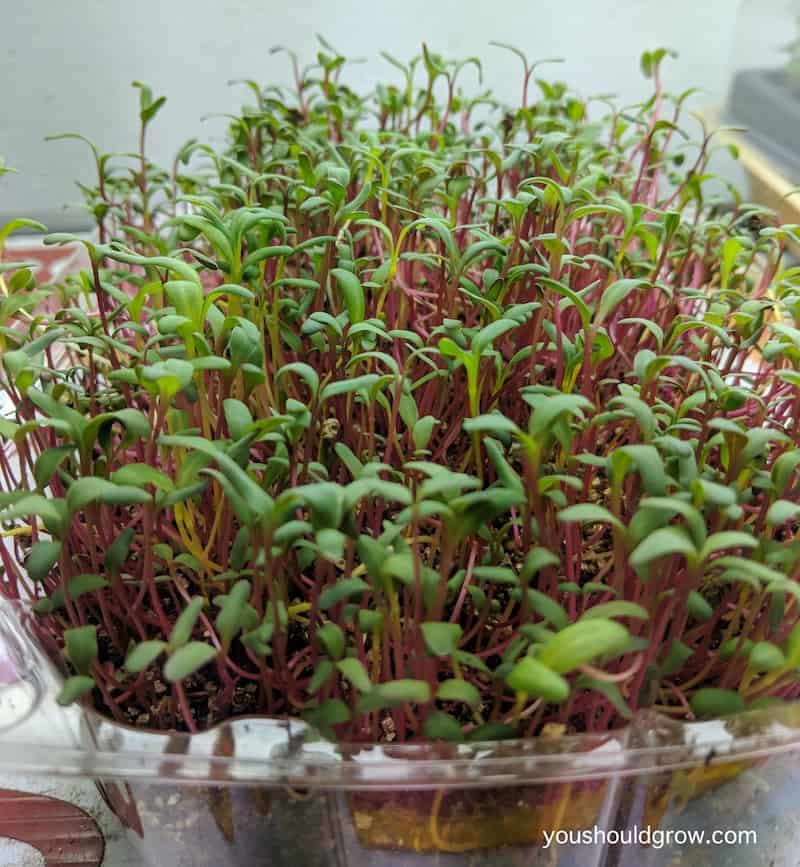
412	413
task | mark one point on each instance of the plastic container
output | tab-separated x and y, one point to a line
267	792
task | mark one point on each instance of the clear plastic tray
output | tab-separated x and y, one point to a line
262	791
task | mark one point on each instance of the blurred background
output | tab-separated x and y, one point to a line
67	66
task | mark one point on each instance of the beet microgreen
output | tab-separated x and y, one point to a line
401	415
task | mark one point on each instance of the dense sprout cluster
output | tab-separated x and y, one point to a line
414	415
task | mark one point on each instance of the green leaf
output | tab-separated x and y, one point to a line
647	460
441	639
663	543
614	295
264	253
642	413
290	532
491	732
41	559
713	702
258	639
231	618
741	567
184	625
332	639
734	646
535	560
505	472
730	250
440	726
346	386
695	522
346	456
782	511
305	372
582	642
445	483
50	510
48	462
714	493
496	574
19	222
91	489
8	430
188	659
576	299
495	423
395	694
783	468
588	513
237	417
345	588
117	552
330	713
148	107
352	292
423	431
457	689
330	543
698	606
793	647
472	661
238	501
352	669
533	678
727	539
326	501
487	335
547	607
368	621
551	411
143	655
259	503
138	475
322	674
100	427
75	588
210	362
407	407
74	688
765	656
618	608
451	349
81	647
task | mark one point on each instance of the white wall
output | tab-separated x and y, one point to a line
66	65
